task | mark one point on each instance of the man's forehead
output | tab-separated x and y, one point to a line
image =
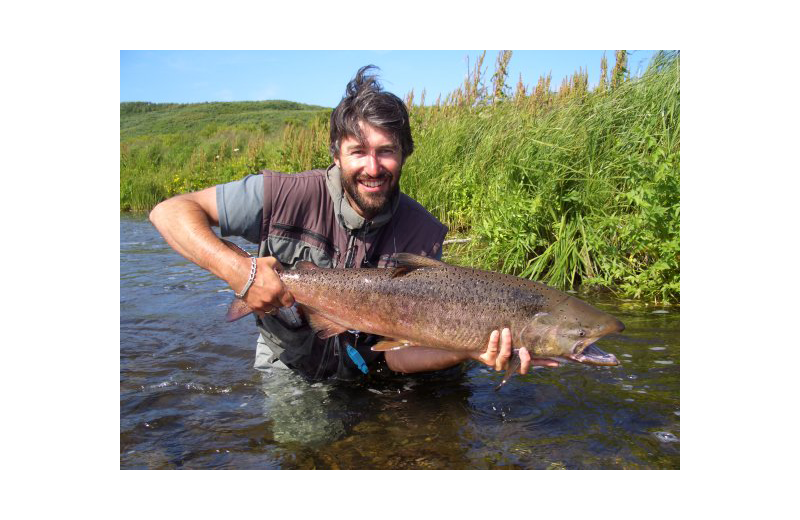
370	135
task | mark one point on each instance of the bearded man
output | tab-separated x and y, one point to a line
351	214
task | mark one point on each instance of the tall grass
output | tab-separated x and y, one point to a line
569	187
573	187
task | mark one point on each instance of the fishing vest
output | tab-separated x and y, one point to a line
306	217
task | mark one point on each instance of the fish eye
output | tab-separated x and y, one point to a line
581	333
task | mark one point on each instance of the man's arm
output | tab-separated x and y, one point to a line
185	223
498	352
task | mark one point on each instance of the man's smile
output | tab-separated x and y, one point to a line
372	185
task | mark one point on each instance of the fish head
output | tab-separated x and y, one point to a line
568	330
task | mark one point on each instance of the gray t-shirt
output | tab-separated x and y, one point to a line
240	205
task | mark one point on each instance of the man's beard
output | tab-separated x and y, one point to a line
370	205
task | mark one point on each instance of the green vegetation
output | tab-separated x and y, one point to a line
167	149
571	187
147	119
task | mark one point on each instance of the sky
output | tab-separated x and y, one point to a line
319	77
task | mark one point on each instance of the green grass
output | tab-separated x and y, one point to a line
147	119
579	187
167	149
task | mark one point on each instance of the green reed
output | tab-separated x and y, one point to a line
570	187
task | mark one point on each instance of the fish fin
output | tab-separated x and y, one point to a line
305	264
238	309
511	369
407	262
391	344
401	271
416	261
323	327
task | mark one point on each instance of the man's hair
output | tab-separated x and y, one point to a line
366	101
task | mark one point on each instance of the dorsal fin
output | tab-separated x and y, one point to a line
415	261
407	262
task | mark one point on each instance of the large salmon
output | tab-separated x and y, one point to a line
424	302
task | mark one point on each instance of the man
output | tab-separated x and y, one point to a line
350	215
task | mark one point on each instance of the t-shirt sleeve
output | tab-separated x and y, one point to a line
240	205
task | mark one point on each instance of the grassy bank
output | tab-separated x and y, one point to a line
573	186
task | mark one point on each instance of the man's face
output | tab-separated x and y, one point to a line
370	171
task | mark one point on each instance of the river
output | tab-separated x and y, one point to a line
190	398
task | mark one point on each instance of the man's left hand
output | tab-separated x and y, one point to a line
498	352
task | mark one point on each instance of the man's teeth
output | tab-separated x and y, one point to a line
372	184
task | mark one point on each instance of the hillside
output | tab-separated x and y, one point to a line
148	119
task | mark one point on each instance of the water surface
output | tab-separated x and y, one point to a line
189	397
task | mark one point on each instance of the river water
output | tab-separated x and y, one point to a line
189	397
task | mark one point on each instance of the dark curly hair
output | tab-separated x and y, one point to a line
365	100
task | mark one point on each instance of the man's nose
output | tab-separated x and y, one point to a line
371	168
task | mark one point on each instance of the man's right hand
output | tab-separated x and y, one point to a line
268	293
185	223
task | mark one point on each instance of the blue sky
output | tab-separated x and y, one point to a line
319	77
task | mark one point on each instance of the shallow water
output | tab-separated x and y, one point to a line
189	397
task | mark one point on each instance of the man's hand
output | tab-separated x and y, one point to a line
498	353
185	223
268	293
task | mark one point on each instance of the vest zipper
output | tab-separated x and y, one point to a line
351	250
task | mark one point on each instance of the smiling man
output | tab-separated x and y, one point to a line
352	214
370	170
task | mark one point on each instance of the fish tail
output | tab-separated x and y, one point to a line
238	309
512	368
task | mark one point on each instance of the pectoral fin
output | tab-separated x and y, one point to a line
324	327
512	368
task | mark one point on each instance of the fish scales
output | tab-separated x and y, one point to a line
431	306
429	303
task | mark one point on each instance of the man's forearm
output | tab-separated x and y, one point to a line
187	229
423	359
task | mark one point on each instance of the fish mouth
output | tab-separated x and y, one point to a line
593	355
